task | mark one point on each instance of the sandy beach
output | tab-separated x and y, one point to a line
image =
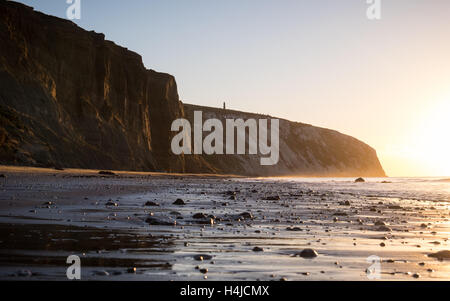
200	227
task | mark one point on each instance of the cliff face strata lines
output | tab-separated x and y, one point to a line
304	150
70	98
82	101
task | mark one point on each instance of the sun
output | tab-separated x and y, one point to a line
432	138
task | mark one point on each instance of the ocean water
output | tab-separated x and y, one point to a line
424	189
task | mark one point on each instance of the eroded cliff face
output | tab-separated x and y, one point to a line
305	150
69	98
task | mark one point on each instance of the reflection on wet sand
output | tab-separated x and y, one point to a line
194	228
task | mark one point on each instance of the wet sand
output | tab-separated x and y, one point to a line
221	228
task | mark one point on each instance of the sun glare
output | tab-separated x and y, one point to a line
432	139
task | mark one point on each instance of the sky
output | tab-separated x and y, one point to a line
322	62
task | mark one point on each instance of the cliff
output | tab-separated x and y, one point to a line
70	98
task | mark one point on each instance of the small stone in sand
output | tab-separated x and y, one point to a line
246	215
384	229
131	270
441	255
151	204
258	249
111	203
360	180
199	216
382	244
346	203
179	202
308	253
202	257
204	271
293	229
395	207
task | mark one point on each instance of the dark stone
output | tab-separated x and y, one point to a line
293	229
247	215
199	216
360	180
179	202
201	257
340	214
441	255
384	229
258	249
151	204
111	203
395	207
308	253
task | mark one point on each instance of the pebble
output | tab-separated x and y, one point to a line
441	254
111	203
131	270
308	253
293	229
258	249
202	257
384	229
246	215
179	202
151	204
199	216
